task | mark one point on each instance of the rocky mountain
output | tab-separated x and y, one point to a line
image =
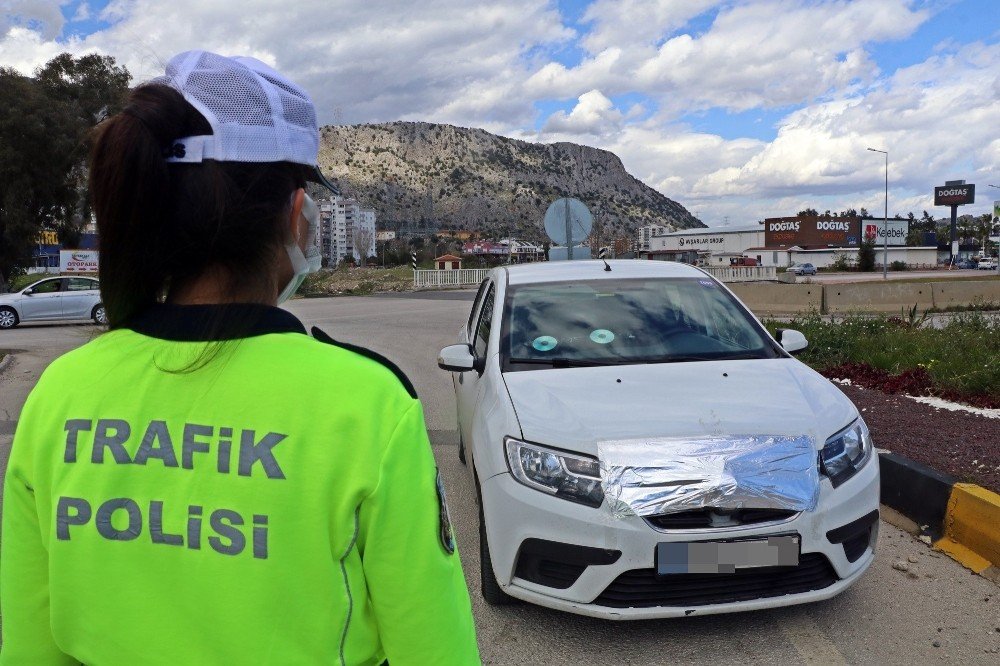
423	176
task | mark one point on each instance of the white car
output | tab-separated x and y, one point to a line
987	264
642	448
56	298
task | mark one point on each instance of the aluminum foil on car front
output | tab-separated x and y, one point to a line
649	477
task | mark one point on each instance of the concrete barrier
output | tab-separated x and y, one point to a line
960	292
878	297
768	299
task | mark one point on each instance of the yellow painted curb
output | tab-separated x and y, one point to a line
972	527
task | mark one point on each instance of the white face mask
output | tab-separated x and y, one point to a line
312	259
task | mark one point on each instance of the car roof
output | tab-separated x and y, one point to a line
555	271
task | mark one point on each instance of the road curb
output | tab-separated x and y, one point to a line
6	362
961	519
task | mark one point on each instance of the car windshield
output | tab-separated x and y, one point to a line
611	322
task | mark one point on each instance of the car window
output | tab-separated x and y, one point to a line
46	287
475	306
79	284
485	323
628	321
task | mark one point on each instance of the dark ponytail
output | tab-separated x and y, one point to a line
162	225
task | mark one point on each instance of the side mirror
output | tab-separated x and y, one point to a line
28	292
792	341
456	358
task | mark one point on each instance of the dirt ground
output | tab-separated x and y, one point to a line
962	444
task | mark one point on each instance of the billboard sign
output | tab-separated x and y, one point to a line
702	242
875	229
78	261
784	232
954	195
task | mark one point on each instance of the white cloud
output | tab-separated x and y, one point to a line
622	22
937	119
486	64
82	12
42	16
373	60
767	53
593	114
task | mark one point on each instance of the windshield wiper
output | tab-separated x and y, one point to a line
568	362
685	358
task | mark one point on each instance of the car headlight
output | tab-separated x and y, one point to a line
846	452
573	477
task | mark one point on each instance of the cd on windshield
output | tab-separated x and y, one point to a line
544	343
602	336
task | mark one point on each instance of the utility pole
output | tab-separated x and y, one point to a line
995	220
885	220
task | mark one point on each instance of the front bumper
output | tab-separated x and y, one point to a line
515	513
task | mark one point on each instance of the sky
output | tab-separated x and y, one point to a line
737	109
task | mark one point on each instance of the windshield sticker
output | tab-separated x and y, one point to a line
706	283
602	336
544	343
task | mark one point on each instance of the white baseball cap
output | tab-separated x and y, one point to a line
256	114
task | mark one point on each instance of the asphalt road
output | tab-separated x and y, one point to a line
937	612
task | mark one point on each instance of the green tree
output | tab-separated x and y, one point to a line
866	255
45	124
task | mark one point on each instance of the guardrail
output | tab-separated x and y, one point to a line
743	273
453	278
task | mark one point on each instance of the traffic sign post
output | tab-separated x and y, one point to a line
413	260
568	222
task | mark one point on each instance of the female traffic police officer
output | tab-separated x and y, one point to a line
205	483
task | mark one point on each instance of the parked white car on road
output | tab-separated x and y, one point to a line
987	264
56	298
643	448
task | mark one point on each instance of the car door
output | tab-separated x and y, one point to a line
469	384
79	296
44	302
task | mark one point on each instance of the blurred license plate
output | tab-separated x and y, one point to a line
696	557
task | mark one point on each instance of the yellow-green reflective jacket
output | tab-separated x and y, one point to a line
279	505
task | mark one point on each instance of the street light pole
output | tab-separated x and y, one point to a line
885	220
998	234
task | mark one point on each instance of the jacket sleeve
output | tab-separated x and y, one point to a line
24	566
412	569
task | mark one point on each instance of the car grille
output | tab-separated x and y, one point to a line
707	518
642	588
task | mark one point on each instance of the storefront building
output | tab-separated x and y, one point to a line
784	241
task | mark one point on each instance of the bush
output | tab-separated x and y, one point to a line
841	263
961	358
898	266
21	281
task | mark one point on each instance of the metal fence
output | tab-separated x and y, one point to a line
458	277
743	273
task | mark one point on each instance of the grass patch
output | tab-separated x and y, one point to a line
19	282
960	360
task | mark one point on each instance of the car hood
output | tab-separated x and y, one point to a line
575	408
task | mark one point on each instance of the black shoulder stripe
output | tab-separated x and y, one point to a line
322	336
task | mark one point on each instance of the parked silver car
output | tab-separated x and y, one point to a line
803	269
55	298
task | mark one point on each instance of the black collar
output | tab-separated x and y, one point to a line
210	323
